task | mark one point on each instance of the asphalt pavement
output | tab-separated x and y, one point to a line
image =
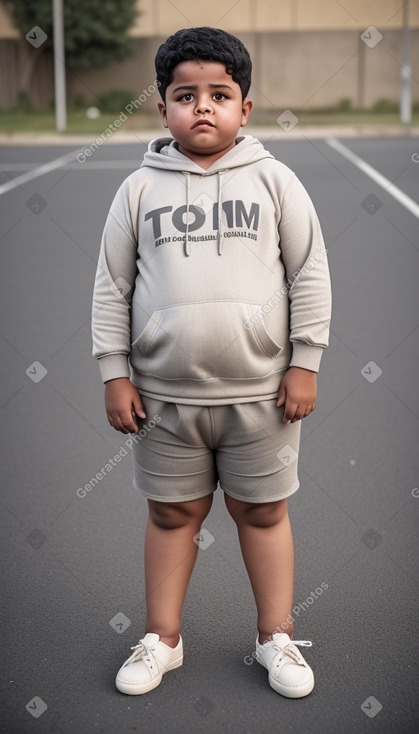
72	562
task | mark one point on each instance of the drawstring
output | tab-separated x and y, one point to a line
219	210
187	243
220	240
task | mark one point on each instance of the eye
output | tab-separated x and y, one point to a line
219	96
187	97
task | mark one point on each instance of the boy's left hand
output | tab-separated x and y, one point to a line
297	392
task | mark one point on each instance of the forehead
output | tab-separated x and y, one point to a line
199	72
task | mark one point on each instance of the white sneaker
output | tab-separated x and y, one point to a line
144	669
289	674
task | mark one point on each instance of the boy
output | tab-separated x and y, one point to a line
211	310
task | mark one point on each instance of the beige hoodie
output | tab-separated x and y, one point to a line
210	283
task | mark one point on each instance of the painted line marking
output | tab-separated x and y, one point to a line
376	176
37	172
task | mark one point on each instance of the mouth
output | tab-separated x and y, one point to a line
203	123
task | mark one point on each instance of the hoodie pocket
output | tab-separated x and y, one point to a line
206	340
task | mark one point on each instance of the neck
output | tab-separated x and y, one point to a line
205	161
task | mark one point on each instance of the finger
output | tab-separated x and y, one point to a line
289	412
115	421
281	398
134	418
122	425
130	423
139	408
122	429
298	415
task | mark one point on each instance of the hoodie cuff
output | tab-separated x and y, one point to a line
113	366
306	356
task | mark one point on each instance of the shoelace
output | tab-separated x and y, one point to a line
140	651
293	654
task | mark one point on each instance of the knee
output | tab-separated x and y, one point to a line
172	515
259	515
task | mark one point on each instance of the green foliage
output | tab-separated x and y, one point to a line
385	105
78	102
24	103
344	105
115	100
95	30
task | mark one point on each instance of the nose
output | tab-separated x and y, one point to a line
203	105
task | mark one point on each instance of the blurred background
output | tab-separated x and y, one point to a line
324	60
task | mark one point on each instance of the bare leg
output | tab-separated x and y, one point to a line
268	553
169	558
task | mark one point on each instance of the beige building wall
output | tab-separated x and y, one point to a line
306	53
163	17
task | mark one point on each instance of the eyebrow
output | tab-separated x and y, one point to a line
194	87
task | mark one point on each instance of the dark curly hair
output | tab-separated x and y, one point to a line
209	44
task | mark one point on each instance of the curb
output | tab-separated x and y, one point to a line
263	133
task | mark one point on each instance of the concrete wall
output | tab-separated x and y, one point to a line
290	70
306	53
162	17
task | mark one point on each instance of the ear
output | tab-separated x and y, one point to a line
163	112
247	107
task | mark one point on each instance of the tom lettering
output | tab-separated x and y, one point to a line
235	212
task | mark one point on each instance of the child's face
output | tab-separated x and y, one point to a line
203	91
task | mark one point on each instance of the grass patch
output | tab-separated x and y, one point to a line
25	119
43	121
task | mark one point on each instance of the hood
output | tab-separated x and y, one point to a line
164	153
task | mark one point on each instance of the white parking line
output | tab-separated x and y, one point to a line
381	180
41	171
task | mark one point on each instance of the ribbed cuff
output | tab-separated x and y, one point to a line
306	356
113	366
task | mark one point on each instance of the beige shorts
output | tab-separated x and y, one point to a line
181	451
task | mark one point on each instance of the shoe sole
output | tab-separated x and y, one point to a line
295	692
136	689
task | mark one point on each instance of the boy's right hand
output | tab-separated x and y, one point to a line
123	404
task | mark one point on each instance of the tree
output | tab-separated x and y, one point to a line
95	32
